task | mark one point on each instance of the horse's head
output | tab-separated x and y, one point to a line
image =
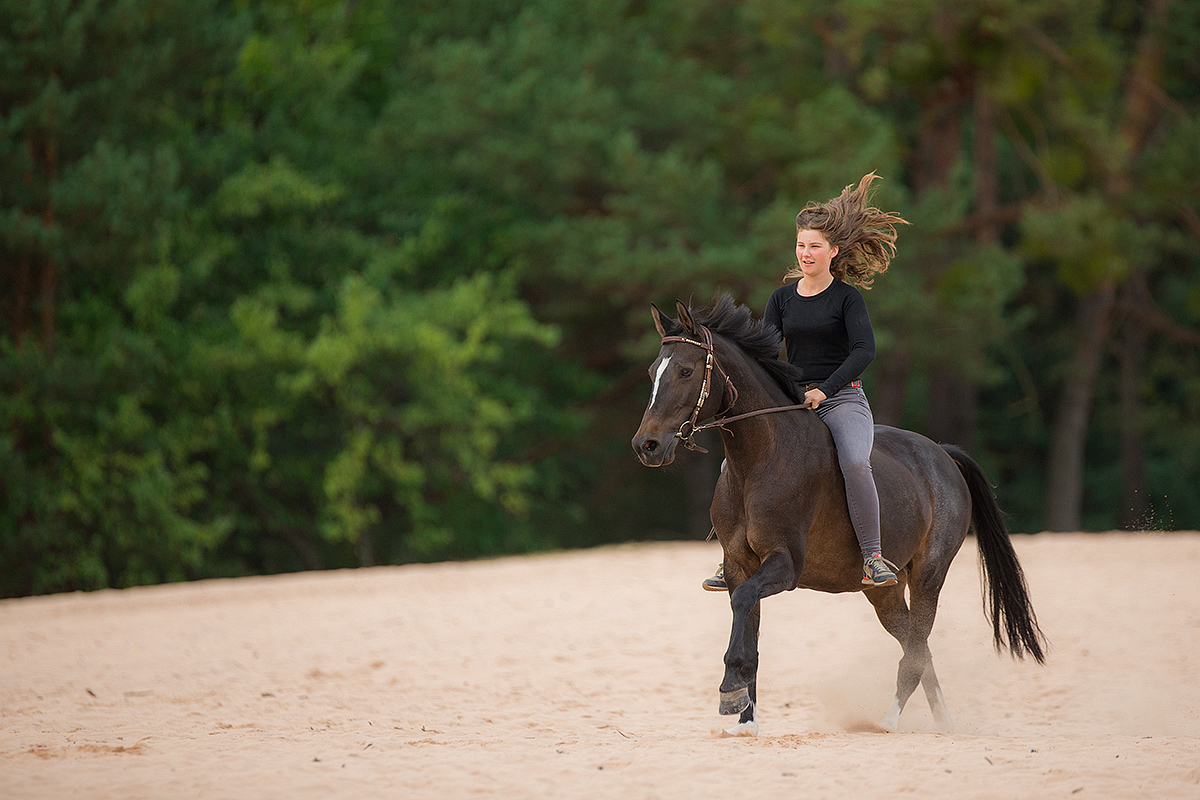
685	386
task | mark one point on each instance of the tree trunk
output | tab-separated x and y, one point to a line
1064	493
302	546
20	300
49	281
938	149
888	388
1064	490
365	549
953	403
953	399
985	162
1134	501
939	140
1142	90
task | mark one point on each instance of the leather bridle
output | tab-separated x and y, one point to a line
689	427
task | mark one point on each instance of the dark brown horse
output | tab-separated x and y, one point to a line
779	509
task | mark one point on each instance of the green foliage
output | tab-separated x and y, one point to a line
309	284
1090	242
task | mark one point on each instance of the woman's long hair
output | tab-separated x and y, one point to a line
864	235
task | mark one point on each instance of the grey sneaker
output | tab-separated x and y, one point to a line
717	582
878	571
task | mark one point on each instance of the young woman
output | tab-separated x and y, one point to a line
828	335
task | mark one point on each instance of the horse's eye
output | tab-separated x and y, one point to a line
685	372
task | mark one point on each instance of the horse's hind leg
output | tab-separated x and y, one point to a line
937	702
894	615
916	665
924	596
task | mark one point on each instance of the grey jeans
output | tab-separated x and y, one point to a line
848	417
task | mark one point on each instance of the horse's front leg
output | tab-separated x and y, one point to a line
747	724
776	574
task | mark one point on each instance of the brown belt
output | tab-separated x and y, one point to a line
808	387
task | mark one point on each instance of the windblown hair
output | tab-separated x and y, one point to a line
864	235
760	342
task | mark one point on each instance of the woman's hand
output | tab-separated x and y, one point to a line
813	398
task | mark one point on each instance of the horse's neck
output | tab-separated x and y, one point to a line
757	390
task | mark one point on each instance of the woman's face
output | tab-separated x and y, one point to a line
814	253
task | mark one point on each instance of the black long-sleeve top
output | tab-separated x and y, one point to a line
828	336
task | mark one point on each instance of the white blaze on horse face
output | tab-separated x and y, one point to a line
657	379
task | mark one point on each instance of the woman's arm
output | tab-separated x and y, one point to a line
862	345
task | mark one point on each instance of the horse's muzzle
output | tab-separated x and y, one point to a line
652	452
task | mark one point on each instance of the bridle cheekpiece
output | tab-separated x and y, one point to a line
690	427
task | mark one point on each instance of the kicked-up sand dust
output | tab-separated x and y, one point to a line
594	674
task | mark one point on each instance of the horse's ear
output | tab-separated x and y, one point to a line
685	317
659	323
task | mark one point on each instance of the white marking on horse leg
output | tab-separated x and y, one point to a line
892	721
658	377
745	728
941	717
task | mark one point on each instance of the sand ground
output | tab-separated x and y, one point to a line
594	674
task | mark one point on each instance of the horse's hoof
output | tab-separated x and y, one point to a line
735	702
891	723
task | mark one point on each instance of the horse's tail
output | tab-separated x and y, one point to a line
1006	594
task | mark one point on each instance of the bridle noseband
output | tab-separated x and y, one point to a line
689	427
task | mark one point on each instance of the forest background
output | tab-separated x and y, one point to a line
322	283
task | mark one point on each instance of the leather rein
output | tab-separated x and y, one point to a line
689	427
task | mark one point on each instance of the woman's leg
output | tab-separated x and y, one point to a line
849	419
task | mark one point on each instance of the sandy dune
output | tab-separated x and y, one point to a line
594	674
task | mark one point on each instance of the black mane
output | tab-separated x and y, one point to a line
761	342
